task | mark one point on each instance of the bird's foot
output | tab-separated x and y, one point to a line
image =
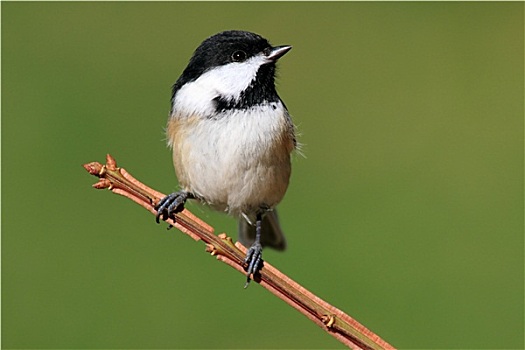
171	205
253	261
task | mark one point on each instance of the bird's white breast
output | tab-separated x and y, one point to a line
238	161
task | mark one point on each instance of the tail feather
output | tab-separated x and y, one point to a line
271	233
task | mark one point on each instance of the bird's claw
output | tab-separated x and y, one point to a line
171	205
253	261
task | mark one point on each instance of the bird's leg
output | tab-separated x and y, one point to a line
171	205
254	255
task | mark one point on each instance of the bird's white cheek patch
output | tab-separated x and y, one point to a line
227	81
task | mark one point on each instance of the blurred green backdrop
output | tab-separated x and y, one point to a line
407	211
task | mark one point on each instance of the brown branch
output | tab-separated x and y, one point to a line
334	321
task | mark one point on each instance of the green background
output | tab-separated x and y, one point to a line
407	211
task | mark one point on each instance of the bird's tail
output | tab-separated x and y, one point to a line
271	233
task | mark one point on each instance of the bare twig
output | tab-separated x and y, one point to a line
334	321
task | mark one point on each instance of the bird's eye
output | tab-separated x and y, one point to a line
238	56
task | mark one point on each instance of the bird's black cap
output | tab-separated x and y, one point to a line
234	46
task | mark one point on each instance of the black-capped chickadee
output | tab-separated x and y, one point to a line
232	137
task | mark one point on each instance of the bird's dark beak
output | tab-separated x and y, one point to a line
277	52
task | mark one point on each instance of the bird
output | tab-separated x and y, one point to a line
232	138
